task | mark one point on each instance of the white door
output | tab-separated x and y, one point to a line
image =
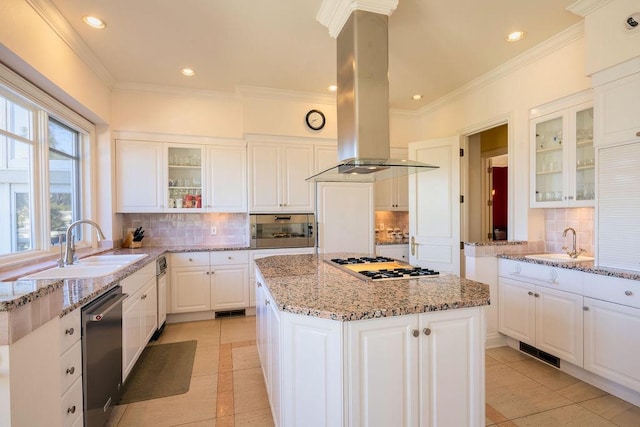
434	205
345	217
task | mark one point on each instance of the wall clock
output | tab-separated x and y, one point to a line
315	119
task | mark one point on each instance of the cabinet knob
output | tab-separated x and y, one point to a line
69	331
207	273
190	259
143	296
536	295
71	410
570	197
71	370
427	331
585	308
415	332
266	302
530	293
638	133
259	284
229	257
628	293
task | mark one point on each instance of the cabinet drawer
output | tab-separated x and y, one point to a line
229	257
190	259
71	404
133	283
613	289
542	275
71	366
69	330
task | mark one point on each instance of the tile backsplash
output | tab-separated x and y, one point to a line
190	228
557	220
389	221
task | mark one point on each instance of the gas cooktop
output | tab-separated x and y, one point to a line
380	268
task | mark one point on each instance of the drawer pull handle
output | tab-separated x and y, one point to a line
415	332
628	293
69	331
71	370
71	410
427	331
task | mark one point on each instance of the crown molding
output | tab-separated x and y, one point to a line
333	14
175	137
559	41
172	90
585	7
54	19
291	95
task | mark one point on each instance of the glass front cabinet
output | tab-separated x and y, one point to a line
184	177
563	158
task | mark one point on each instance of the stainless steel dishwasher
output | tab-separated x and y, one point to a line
102	356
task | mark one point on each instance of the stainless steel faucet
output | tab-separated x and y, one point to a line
70	249
574	252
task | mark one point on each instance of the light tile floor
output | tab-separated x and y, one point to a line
227	387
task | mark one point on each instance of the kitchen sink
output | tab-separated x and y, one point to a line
95	266
559	258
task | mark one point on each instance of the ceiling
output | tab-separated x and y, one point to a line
435	46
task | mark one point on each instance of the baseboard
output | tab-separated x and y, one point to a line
495	340
201	315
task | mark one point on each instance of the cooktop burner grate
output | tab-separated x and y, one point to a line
361	260
398	273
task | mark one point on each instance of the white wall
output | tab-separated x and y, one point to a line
557	71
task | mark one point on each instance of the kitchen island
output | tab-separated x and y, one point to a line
339	350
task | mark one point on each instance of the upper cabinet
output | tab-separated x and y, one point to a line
277	174
617	105
153	176
393	194
562	155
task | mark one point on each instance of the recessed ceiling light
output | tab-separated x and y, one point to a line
332	88
94	22
188	72
515	36
416	97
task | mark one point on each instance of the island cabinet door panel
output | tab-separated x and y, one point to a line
452	368
611	341
312	371
190	289
262	327
274	370
517	310
382	371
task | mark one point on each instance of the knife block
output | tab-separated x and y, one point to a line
135	245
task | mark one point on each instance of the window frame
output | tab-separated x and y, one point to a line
44	107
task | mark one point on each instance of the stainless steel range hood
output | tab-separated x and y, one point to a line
363	103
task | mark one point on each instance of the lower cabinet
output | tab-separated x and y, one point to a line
139	322
399	252
190	289
414	370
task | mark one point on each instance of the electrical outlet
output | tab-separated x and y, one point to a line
214	230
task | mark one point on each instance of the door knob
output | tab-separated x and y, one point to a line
413	245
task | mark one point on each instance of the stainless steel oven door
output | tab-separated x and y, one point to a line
282	230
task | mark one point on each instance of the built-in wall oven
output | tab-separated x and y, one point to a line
282	230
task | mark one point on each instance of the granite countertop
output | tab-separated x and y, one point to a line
25	305
305	284
585	266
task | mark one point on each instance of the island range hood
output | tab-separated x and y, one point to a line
363	104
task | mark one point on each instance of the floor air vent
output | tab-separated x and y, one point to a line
539	354
230	313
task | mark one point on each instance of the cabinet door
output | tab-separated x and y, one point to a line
402	193
274	370
614	103
382	375
190	289
185	177
559	324
516	311
549	145
227	181
149	311
133	160
261	327
229	287
297	165
611	342
131	333
264	178
451	367
400	252
384	194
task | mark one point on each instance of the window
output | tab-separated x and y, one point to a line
41	169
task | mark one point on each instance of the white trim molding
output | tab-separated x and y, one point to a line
585	7
333	14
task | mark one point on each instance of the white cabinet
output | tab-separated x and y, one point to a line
416	370
617	219
139	315
611	322
393	194
542	306
201	281
185	177
277	174
615	104
563	157
227	178
400	252
134	159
